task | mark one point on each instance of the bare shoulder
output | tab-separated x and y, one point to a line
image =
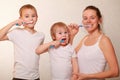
105	39
105	42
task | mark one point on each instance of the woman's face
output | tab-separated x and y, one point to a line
91	19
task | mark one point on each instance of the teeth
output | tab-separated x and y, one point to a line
29	22
87	26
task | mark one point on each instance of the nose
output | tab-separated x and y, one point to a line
64	35
30	18
88	21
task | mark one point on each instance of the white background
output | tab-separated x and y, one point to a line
49	12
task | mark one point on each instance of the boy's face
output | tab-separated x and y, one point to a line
62	34
29	17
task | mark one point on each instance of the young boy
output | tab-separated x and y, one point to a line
62	54
25	40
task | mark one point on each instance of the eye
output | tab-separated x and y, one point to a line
92	17
33	16
59	33
66	32
26	16
84	18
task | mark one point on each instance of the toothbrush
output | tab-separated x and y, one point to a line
24	23
86	26
52	46
81	26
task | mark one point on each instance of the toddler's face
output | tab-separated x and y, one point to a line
62	34
29	17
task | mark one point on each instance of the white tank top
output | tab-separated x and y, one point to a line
91	59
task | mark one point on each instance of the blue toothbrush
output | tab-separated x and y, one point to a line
24	23
52	46
18	24
86	26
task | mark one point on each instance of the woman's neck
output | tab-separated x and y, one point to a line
95	34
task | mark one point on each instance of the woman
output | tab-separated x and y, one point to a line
95	50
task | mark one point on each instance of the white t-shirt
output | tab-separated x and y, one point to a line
61	66
26	61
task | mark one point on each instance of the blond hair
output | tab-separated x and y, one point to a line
55	26
27	6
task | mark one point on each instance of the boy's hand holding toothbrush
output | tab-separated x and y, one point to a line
20	22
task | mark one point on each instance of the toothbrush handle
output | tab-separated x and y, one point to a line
52	46
19	25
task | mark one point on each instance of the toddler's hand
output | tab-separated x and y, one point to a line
55	44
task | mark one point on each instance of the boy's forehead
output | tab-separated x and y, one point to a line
28	11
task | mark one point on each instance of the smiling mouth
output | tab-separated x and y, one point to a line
87	26
30	22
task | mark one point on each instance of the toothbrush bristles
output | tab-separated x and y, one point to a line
80	25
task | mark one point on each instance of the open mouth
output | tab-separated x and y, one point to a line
63	40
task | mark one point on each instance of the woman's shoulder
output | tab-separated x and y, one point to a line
105	38
105	41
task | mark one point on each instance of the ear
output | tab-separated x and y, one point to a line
53	37
100	21
20	17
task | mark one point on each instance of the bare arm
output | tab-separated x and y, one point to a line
75	67
109	53
44	47
5	30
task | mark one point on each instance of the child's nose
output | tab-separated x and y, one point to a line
64	35
31	18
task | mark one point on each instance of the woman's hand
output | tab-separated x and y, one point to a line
73	28
82	76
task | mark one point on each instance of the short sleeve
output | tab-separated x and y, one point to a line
73	51
12	34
